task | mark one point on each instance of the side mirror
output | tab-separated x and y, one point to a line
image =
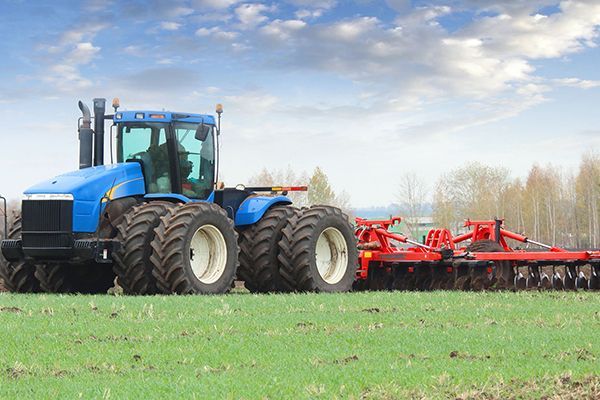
202	132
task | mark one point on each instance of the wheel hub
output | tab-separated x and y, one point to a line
332	255
208	254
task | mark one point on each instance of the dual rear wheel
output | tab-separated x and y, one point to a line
318	251
308	250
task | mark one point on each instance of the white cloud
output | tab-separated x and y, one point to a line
282	29
416	57
216	4
398	5
217	33
98	5
251	15
252	102
66	78
577	83
536	36
312	8
319	4
170	26
83	53
85	31
304	13
133	50
352	29
181	11
64	75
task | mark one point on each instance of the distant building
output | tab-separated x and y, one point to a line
422	224
421	227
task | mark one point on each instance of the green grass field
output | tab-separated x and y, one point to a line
362	345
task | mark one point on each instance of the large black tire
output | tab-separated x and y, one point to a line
259	251
173	251
505	274
135	235
88	278
18	277
298	251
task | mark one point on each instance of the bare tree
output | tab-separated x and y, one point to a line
320	191
550	205
473	191
285	177
588	202
411	196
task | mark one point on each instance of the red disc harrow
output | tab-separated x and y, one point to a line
479	259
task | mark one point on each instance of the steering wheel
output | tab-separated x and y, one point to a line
138	156
146	162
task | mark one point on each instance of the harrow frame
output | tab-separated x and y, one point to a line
448	253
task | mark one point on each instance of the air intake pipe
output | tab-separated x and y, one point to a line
86	137
99	110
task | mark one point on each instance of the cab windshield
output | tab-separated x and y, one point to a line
173	159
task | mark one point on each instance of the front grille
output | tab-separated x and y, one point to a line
47	224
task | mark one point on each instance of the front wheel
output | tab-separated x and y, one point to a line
195	251
18	277
135	235
88	278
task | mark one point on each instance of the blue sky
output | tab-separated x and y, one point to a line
366	89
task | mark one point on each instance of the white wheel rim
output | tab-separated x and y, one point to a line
332	255
208	254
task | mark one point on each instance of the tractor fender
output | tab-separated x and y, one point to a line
254	207
172	197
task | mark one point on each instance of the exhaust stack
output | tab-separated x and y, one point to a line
86	135
99	110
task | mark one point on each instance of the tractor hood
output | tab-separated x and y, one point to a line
91	187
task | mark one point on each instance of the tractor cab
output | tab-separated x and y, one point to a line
177	152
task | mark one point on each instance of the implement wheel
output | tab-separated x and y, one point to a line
18	277
195	251
259	251
135	234
319	251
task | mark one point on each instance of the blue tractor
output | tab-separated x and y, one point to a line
159	221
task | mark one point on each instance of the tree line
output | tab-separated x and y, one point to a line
549	205
320	190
